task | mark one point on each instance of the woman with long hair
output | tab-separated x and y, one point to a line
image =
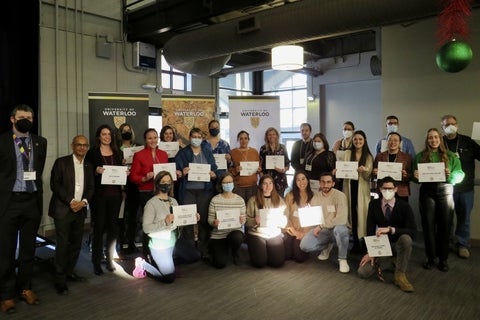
358	191
265	243
436	199
273	147
300	196
319	160
107	198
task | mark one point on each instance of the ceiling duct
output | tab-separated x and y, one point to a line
292	23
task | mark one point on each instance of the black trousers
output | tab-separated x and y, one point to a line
20	221
219	249
104	217
263	251
69	235
292	249
436	207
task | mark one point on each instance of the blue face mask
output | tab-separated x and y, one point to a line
227	187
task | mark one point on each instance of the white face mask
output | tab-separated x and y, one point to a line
347	133
388	194
392	128
196	142
318	145
451	129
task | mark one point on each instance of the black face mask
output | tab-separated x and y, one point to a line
23	125
214	132
126	135
164	187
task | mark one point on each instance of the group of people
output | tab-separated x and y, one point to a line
249	185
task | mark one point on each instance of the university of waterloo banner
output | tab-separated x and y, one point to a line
186	112
115	109
254	114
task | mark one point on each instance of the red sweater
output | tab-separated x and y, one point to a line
142	164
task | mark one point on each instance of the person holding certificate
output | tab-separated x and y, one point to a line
167	134
218	147
226	215
334	228
245	167
193	188
127	140
270	152
163	244
392	217
394	155
319	160
265	242
301	196
358	191
107	198
436	198
141	172
467	150
341	145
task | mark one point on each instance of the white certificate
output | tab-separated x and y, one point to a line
248	168
431	172
199	172
220	161
229	219
272	217
184	215
476	131
310	216
347	170
272	162
114	175
171	147
392	169
378	246
170	167
129	152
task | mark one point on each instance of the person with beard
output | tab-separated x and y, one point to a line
301	147
22	157
334	229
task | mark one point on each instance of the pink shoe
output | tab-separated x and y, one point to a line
139	272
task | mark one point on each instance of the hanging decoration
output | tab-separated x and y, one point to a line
454	55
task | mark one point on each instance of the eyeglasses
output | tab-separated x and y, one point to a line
80	145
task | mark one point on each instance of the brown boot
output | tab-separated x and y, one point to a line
8	306
402	282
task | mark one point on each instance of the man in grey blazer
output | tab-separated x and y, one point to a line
72	185
22	159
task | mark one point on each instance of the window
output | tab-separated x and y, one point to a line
175	79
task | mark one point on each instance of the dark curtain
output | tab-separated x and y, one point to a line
19	56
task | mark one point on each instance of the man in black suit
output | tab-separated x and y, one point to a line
393	217
22	159
72	187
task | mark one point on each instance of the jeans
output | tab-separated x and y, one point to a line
463	208
436	206
339	234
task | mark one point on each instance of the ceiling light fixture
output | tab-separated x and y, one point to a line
289	57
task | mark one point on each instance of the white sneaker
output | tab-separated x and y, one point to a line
325	253
344	267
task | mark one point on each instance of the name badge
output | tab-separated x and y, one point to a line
29	175
301	160
331	208
308	167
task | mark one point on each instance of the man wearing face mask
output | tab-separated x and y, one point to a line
21	193
406	144
467	151
393	217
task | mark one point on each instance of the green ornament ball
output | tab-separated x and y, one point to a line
454	56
